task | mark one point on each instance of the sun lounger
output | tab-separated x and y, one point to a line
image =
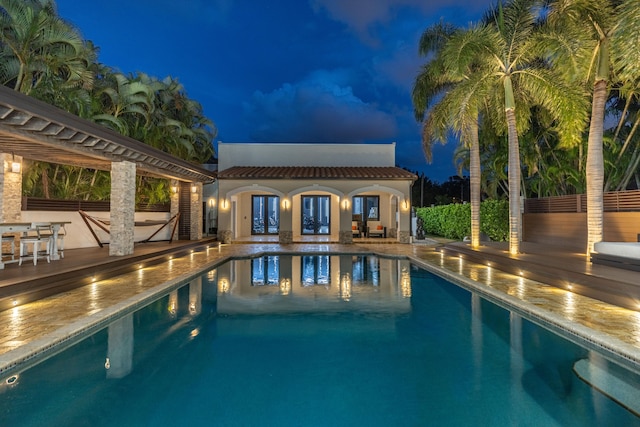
617	254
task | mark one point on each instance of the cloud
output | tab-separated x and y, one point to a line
321	108
399	67
361	16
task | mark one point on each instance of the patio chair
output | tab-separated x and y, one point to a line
355	229
375	228
60	243
40	244
9	241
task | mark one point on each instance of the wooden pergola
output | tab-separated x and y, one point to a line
32	129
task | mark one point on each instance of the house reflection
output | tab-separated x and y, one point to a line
321	283
313	283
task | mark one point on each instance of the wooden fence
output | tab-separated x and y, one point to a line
562	221
40	204
618	201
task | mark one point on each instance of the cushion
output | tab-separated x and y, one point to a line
379	227
622	249
354	227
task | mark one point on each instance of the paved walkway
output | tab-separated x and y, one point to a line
30	330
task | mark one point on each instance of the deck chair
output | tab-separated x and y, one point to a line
40	244
376	229
355	229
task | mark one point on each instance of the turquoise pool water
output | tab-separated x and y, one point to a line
314	341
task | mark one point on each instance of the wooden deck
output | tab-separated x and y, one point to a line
79	267
559	268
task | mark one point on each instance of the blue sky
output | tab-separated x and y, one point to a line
284	70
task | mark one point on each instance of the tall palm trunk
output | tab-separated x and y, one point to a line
595	167
514	184
595	160
514	168
475	178
45	183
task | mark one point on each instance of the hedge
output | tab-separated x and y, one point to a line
454	221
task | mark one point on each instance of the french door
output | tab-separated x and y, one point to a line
266	214
316	215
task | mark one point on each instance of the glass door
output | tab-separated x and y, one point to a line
316	214
366	208
266	214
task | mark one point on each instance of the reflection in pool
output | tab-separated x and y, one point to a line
316	283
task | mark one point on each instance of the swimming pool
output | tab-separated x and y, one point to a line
315	340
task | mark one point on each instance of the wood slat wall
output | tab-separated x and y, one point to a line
619	201
40	204
569	230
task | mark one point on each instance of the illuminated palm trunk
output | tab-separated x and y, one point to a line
474	177
595	167
514	169
595	161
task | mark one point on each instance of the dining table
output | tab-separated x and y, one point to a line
26	227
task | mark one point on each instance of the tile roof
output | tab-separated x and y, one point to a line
315	172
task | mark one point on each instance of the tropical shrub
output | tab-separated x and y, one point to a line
494	219
454	221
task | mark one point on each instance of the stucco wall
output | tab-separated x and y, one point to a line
273	154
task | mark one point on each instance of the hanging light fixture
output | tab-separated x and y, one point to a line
15	166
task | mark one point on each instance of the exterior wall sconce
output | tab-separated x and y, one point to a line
224	204
212	203
285	204
405	205
15	166
345	204
174	189
194	189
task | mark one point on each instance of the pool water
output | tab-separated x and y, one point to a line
384	344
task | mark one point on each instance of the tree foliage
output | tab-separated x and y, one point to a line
44	56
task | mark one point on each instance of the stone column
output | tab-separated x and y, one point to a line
196	211
174	197
10	189
404	225
123	208
346	235
285	233
225	234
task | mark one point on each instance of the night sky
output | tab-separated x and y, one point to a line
284	70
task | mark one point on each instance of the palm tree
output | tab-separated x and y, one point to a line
123	103
502	53
37	47
178	125
457	109
586	31
625	54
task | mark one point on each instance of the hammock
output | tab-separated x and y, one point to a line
103	224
